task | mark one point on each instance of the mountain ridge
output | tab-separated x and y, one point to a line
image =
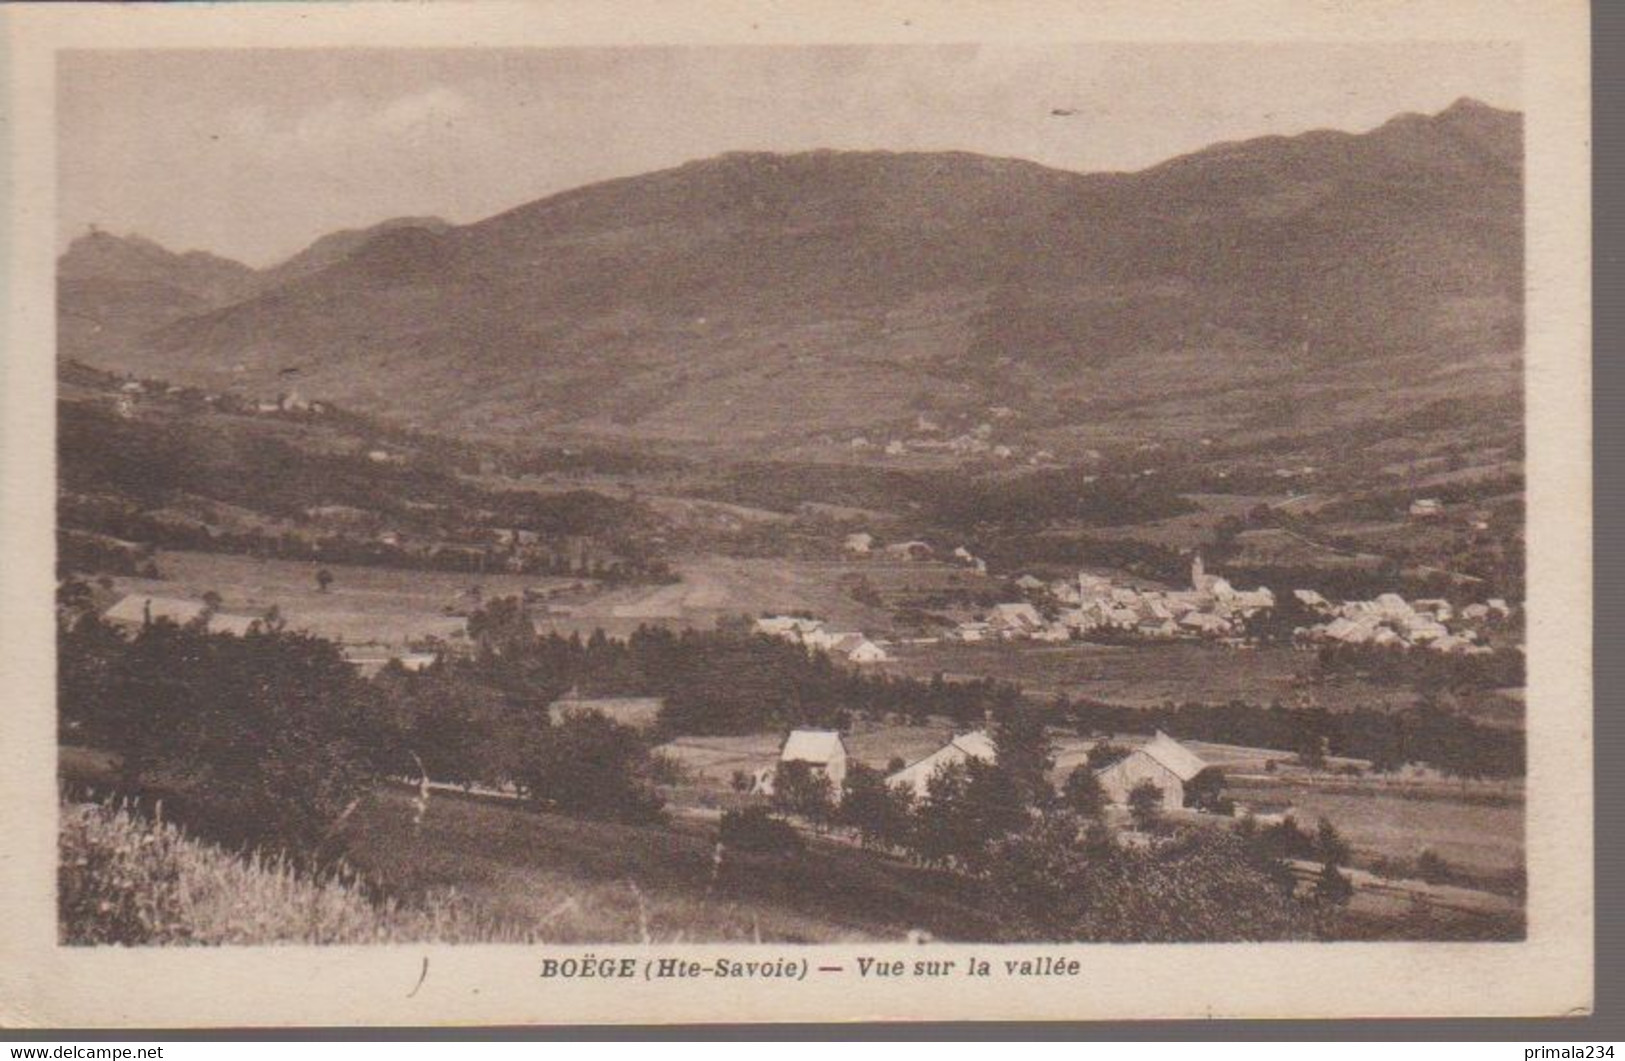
787	297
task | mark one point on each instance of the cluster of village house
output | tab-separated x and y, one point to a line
927	436
1393	620
813	633
1211	608
1163	761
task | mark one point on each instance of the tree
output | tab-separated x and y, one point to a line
800	789
1083	793
967	807
1145	805
73	600
594	767
1025	753
1205	791
1330	845
271	736
1332	887
1105	754
754	830
878	812
324	579
502	628
1044	884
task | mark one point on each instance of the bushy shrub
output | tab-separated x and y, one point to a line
756	831
1145	805
877	812
800	789
1433	868
1083	792
1053	882
592	766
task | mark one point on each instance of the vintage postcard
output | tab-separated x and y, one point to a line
638	512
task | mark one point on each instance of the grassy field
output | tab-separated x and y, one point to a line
1482	837
715	587
504	871
1191	530
581	881
1146	675
365	605
130	879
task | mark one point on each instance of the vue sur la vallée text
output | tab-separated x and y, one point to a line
595	967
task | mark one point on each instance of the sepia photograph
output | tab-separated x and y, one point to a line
866	493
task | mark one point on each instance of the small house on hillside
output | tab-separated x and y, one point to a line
241	625
915	550
369	661
139	610
917	776
1427	507
1163	761
638	712
822	750
1015	619
862	650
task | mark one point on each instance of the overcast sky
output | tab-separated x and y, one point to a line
254	154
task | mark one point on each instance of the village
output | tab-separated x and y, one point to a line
1093	605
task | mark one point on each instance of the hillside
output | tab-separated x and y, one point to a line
764	302
334	248
112	289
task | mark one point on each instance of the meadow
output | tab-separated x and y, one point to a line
132	878
719	587
589	881
1148	674
363	606
1482	835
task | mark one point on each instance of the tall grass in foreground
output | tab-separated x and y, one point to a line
127	879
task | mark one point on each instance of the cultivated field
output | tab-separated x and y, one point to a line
364	605
1482	836
716	587
1149	674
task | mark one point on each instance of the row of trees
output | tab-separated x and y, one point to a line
728	680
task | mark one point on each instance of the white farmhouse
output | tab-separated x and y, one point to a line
916	777
866	651
822	750
1163	761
